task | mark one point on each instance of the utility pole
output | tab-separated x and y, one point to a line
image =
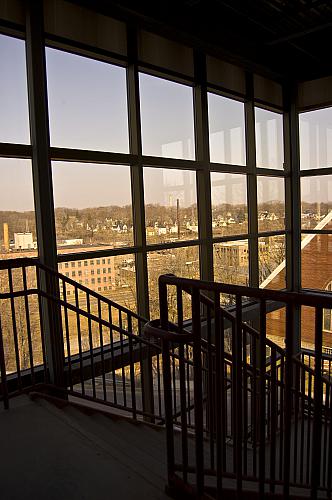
178	215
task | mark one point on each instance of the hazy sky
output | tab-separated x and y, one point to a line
88	109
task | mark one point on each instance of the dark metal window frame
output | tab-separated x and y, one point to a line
201	164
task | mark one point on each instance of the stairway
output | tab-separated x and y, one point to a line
72	453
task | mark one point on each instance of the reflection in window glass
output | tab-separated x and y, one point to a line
167	118
226	130
17	214
229	204
183	262
316	202
92	206
231	264
316	265
271	203
269	139
170	205
87	103
272	263
316	139
14	116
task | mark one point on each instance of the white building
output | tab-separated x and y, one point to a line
24	241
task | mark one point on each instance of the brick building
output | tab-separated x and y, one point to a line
316	270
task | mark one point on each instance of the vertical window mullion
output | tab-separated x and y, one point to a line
251	182
137	185
203	175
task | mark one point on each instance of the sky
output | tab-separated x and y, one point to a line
88	110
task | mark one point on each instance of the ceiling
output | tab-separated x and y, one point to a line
287	38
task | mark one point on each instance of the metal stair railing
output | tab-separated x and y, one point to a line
258	414
106	357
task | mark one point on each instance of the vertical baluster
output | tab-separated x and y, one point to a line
14	326
79	340
102	357
182	373
262	395
308	434
237	393
159	384
329	457
140	347
131	367
210	388
174	383
326	428
316	452
303	398
244	399
115	399
254	406
67	334
198	396
92	364
123	373
28	324
3	372
274	410
41	326
219	393
288	395
163	306
296	419
188	383
282	411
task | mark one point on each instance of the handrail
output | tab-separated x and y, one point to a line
313	299
248	392
92	293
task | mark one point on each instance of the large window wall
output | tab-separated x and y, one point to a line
151	173
316	210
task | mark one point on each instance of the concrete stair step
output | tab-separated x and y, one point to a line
107	431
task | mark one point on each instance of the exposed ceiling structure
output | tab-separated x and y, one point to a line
287	37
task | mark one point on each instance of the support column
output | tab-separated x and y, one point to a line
251	182
293	202
42	181
137	185
203	175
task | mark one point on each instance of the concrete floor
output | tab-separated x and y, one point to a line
50	453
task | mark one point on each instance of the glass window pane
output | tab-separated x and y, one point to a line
92	206
269	139
14	116
167	118
231	262
170	205
115	281
226	130
272	263
229	204
271	203
17	213
87	103
183	262
316	202
316	139
316	261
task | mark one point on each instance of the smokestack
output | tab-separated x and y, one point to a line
178	215
6	237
